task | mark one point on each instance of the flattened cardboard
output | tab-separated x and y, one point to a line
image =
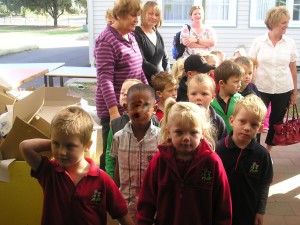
5	100
20	131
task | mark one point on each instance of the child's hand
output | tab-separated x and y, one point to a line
259	219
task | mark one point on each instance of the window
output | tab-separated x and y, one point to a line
217	12
259	9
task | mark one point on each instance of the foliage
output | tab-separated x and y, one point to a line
13	7
55	8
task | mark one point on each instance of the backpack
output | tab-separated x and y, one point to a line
178	48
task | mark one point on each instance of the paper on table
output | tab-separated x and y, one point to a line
4	174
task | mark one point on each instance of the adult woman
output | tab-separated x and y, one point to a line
199	37
155	58
118	58
276	73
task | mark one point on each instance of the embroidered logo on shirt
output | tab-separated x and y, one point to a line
96	197
254	169
206	176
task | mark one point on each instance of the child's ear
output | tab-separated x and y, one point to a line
158	94
88	146
155	107
260	128
221	83
189	74
231	119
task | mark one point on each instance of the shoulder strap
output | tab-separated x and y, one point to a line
189	27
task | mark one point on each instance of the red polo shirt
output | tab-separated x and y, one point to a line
84	204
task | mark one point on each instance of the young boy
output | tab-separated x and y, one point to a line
193	64
201	91
134	145
247	163
228	75
118	124
76	191
247	87
165	86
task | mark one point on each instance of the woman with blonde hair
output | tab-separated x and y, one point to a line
155	58
276	73
199	36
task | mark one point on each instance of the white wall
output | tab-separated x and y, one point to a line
229	38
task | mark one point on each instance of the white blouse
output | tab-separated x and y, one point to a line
273	74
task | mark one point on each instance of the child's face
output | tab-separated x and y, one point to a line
140	108
200	94
123	93
184	137
245	126
169	91
68	150
232	85
247	76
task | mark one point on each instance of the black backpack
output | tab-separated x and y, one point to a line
178	48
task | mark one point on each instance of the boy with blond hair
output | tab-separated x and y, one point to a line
228	76
76	191
165	86
247	163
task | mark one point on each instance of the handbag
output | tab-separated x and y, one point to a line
288	132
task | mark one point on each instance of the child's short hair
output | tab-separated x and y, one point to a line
161	79
219	53
209	57
203	78
140	87
252	104
243	60
133	80
190	113
178	69
228	69
73	120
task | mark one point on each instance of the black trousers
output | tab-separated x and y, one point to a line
279	104
105	123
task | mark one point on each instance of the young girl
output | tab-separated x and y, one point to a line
185	182
201	91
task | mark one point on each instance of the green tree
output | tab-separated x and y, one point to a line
55	8
13	6
83	4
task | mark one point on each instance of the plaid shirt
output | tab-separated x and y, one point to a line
133	158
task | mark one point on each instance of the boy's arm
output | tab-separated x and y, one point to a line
110	162
116	174
31	148
126	220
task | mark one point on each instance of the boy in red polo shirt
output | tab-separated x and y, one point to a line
76	191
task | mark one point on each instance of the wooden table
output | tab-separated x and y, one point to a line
14	78
33	66
71	72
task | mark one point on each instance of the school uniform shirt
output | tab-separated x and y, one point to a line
116	60
249	172
250	89
200	197
225	114
155	58
133	159
87	203
219	123
273	74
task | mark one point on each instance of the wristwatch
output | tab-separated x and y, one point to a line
198	41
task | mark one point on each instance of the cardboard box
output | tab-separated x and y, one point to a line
22	198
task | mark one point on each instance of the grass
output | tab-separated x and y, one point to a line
84	90
41	30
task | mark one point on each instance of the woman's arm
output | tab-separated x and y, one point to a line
31	149
293	69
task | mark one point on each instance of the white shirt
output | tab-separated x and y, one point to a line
273	74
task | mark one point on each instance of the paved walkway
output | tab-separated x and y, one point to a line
283	206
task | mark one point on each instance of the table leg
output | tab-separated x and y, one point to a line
61	80
50	81
45	80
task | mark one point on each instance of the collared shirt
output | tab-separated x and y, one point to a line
273	74
87	203
133	158
116	60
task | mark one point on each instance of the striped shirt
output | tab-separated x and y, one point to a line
133	158
116	60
